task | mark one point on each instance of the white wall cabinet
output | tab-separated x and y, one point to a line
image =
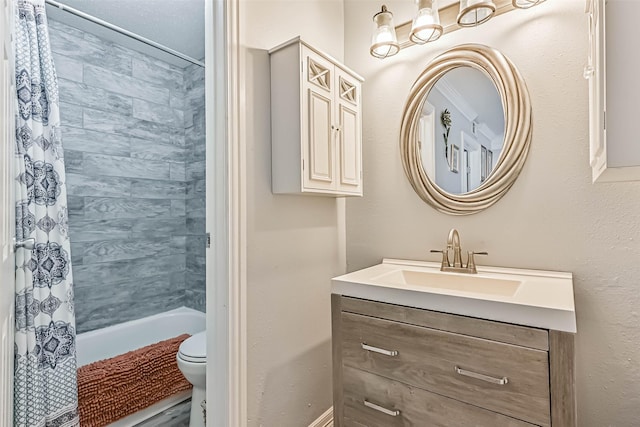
316	125
614	89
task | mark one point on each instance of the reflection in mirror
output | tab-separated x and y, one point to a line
461	130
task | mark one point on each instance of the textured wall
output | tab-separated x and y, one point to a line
294	243
553	218
123	123
195	197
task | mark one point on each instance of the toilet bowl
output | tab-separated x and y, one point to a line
192	361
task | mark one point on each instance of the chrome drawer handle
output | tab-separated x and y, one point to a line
381	409
487	378
379	350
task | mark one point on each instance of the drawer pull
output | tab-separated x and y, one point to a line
379	350
381	409
492	380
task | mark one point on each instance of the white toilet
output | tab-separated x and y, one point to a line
192	361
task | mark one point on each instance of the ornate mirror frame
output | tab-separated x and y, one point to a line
517	134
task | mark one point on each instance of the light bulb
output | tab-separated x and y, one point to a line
384	42
426	25
475	12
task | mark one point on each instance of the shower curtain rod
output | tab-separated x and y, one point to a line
122	31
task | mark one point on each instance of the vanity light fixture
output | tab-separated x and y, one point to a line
431	22
525	4
475	12
426	25
384	42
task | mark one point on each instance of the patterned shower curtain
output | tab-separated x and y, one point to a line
45	390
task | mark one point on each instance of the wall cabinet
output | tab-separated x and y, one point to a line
402	366
613	90
316	125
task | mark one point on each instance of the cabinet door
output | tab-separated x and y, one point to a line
318	132
349	135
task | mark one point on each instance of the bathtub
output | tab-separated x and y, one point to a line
121	338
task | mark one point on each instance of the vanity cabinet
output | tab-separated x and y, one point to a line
613	90
316	125
401	366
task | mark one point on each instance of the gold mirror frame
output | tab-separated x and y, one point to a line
517	134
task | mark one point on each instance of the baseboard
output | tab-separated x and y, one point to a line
325	420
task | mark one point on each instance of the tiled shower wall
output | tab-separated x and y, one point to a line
128	133
195	202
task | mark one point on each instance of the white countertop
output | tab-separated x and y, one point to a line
543	299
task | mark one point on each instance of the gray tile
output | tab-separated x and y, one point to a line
88	141
153	150
90	230
188	117
178	208
127	271
177	99
105	304
197	244
125	85
75	205
116	250
93	97
153	112
196	170
156	189
59	26
124	125
196	207
153	72
158	227
179	244
196	263
178	172
73	161
100	164
177	279
111	208
90	52
67	68
196	226
77	251
70	115
193	77
196	188
196	299
102	186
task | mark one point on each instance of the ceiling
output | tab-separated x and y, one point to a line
480	93
177	24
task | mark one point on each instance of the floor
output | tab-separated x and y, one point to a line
177	416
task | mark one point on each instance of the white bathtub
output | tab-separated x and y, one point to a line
121	338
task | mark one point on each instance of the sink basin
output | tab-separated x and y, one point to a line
542	299
455	282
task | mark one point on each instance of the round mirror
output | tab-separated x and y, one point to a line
466	129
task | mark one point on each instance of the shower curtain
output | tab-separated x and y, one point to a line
45	390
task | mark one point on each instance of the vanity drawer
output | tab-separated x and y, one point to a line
461	367
415	407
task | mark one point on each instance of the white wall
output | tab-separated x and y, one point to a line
553	217
295	244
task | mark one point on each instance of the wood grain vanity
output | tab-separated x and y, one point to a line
396	365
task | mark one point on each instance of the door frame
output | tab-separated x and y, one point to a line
225	219
7	219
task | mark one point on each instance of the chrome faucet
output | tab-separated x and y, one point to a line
453	244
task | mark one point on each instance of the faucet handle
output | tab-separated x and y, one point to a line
445	257
471	261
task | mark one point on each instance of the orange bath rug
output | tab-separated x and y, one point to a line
113	388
